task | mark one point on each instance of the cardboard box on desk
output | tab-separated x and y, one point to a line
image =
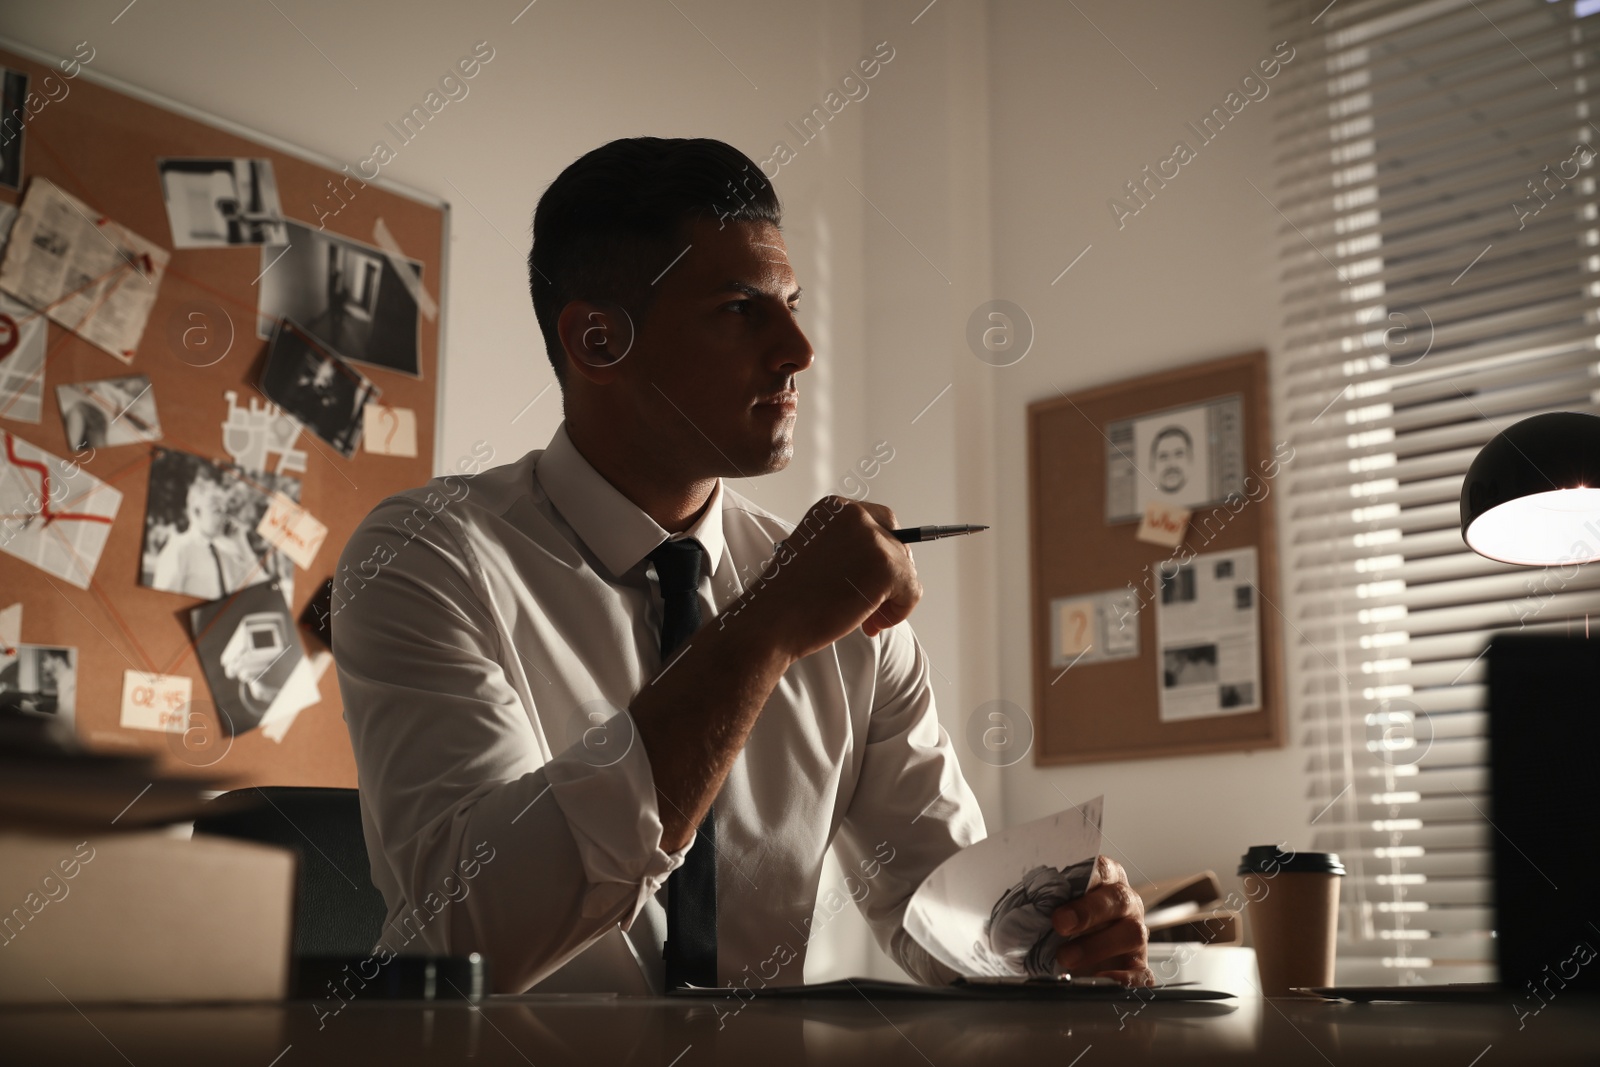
143	916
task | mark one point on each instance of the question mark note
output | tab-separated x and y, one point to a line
1075	629
389	431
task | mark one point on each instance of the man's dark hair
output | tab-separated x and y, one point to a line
1171	431
613	220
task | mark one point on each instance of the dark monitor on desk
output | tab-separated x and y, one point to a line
1544	780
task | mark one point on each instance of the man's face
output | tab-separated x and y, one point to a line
206	512
1171	462
719	342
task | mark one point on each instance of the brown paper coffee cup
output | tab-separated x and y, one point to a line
1293	913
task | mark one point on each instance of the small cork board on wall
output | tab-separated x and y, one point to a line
1154	566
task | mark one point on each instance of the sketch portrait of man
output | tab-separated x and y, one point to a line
1171	458
1021	934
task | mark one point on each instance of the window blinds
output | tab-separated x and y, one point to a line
1440	270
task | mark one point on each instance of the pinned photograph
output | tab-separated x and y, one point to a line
53	513
13	131
1183	458
112	411
219	203
200	525
311	383
346	294
1175	450
40	680
253	660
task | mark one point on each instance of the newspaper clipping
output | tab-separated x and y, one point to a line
1208	630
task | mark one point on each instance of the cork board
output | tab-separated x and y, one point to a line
100	141
1094	709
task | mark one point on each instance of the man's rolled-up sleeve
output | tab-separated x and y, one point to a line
911	809
454	774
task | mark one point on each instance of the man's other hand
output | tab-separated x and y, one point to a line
1107	931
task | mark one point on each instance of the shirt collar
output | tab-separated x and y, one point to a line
616	531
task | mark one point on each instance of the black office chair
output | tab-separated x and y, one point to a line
338	911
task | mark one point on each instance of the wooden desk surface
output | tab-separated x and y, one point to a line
591	1030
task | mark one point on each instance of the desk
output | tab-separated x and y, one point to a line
594	1030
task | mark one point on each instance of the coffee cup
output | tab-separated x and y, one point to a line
1293	910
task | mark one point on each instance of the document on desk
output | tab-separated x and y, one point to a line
985	912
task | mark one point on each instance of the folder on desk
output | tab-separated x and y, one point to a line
1190	908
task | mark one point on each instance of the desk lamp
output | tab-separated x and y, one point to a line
1532	495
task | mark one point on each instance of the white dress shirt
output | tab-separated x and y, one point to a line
488	628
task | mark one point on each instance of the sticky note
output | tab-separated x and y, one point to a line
292	528
155	701
389	431
1075	626
1164	524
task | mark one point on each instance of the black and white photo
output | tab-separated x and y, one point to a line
13	127
1241	695
219	203
39	680
112	411
1193	665
316	387
249	650
1177	588
200	534
345	294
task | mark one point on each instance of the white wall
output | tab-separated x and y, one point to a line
1190	277
978	166
993	147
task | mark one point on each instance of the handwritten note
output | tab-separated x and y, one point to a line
389	431
292	528
1075	626
1164	524
155	701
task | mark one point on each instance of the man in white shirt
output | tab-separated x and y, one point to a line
203	560
498	635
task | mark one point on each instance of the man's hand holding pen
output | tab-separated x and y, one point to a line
841	568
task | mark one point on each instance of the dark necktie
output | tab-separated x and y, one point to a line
222	582
691	948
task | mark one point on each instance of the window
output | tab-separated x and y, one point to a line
1440	270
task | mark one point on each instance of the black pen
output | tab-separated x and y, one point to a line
916	534
913	534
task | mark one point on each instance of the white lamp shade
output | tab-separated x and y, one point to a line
1554	528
